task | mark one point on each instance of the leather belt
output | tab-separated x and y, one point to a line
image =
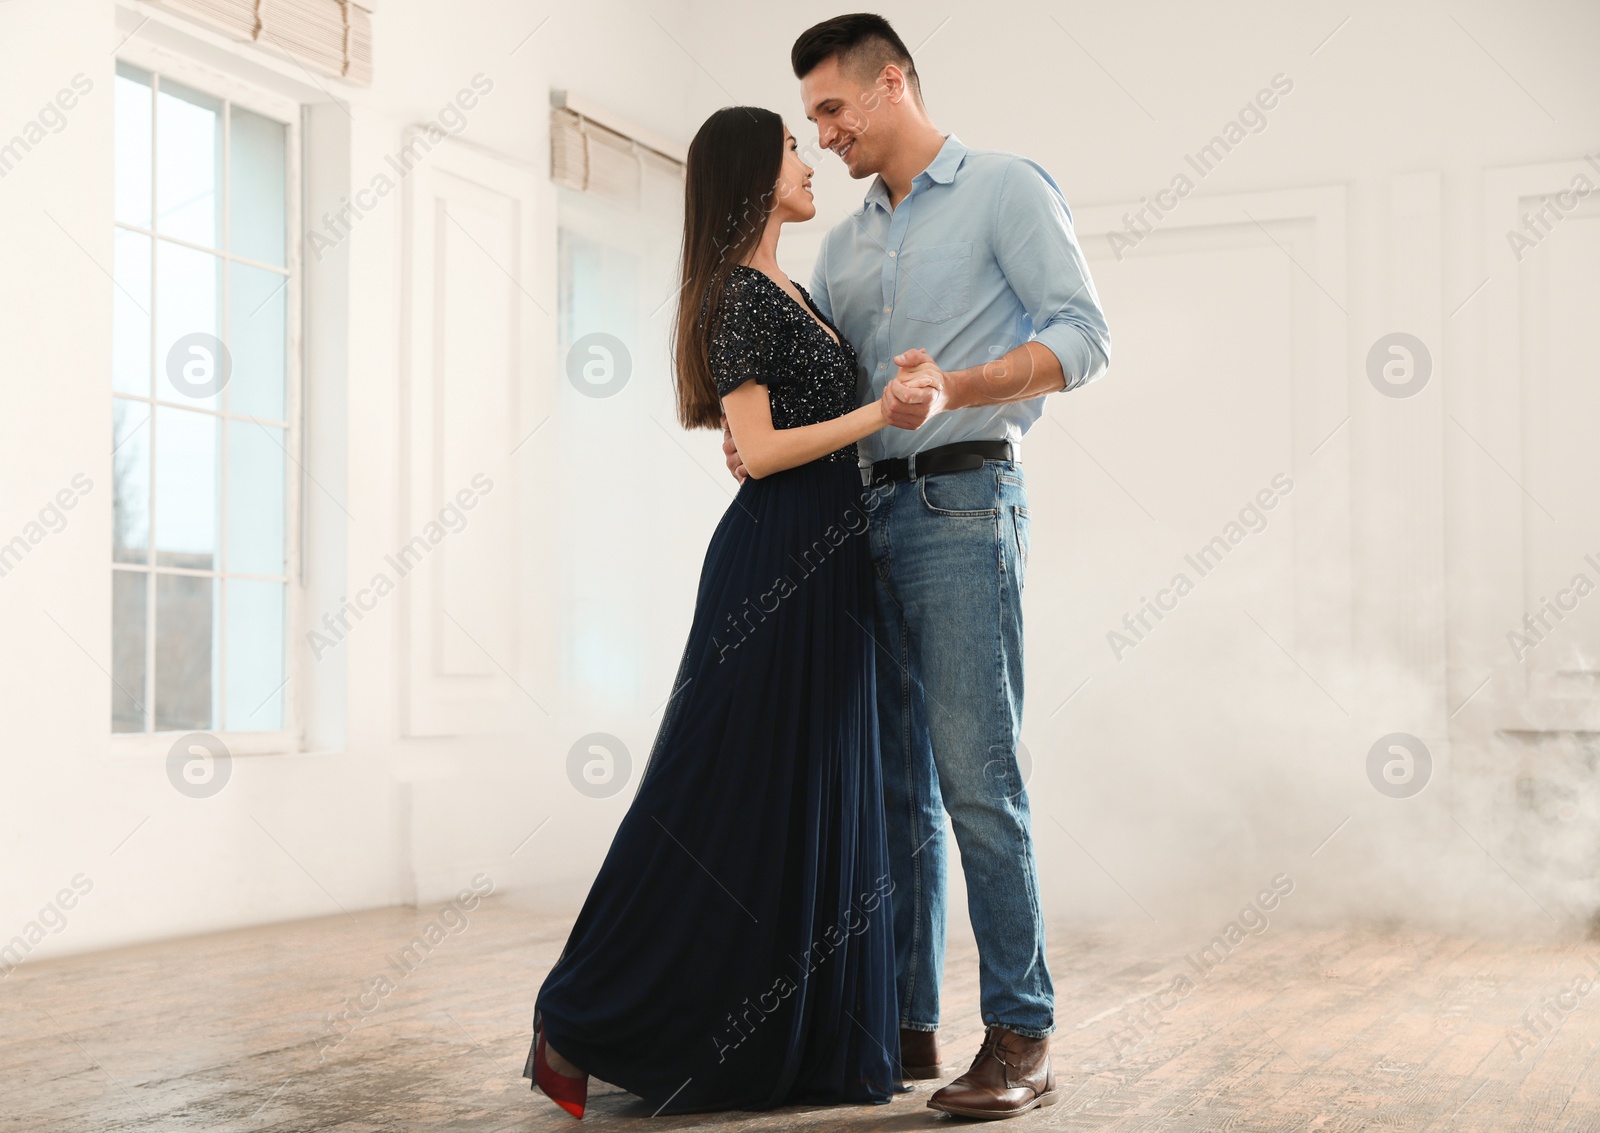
958	457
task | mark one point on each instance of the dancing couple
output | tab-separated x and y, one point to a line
768	926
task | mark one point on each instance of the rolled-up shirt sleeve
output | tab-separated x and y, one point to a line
1043	264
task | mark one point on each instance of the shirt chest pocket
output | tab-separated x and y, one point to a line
935	283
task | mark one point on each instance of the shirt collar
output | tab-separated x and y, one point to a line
941	170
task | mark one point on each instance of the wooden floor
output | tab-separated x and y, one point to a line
1327	1030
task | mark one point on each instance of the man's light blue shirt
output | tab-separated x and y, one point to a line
977	259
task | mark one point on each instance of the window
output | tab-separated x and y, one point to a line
204	404
619	223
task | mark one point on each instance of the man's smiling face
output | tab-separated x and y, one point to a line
845	113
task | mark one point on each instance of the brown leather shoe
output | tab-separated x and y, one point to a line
1011	1075
919	1054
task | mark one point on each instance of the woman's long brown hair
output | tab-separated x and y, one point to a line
730	181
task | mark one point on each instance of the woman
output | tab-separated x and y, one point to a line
735	950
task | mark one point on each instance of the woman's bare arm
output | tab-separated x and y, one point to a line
765	449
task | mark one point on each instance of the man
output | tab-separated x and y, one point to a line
960	264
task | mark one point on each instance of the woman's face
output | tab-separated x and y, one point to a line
794	199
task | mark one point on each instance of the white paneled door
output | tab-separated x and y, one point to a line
471	328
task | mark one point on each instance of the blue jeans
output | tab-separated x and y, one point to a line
950	552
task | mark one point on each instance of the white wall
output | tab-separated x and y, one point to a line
1179	778
368	816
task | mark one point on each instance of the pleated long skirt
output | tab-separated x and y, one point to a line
735	951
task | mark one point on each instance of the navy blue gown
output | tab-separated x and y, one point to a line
736	950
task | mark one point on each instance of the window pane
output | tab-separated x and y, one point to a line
188	325
597	288
256	186
193	491
255	655
189	165
255	499
258	303
130	473
128	592
186	653
133	145
600	629
130	315
187	465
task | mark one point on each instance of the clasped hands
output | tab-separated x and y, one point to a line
916	393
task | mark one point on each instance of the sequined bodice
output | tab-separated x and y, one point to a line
764	335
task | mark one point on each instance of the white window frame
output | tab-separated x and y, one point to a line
210	80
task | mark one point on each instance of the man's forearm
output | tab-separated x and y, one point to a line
1029	371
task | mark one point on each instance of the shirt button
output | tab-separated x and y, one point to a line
891	255
886	310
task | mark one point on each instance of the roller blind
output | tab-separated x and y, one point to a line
594	158
333	37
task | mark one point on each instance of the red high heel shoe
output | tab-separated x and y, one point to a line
569	1093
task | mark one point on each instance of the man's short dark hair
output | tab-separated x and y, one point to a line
864	43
